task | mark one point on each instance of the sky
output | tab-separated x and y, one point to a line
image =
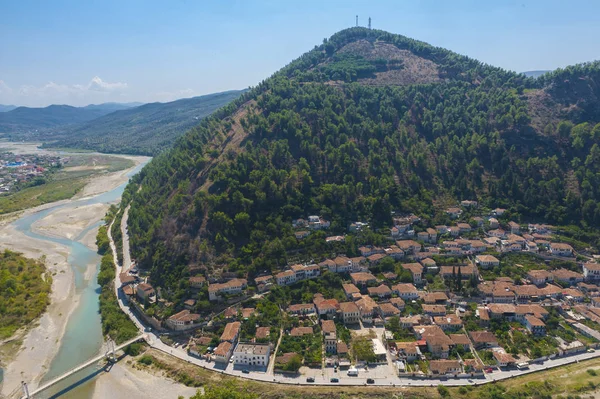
82	52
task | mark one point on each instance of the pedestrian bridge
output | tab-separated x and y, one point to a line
109	356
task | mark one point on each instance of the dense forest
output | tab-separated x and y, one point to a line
24	291
365	124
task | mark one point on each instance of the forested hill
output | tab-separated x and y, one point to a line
145	130
366	123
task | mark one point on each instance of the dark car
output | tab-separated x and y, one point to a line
370	381
334	380
310	379
246	371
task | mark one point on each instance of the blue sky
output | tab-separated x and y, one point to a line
81	52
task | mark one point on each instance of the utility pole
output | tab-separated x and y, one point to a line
369	23
357	21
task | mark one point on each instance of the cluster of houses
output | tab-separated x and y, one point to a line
305	226
439	327
245	354
17	169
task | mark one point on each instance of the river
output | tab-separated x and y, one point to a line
83	335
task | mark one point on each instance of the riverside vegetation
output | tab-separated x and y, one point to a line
115	323
24	291
367	123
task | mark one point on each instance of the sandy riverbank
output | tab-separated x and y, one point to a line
41	342
126	382
107	182
70	221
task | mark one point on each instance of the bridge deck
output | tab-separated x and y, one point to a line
80	367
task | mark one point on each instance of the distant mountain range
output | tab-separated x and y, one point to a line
131	128
534	74
113	106
26	119
6	108
145	130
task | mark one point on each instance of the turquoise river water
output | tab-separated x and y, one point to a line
83	335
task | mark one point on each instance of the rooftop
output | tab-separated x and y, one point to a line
252	349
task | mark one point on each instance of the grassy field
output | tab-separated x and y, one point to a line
65	183
576	380
191	375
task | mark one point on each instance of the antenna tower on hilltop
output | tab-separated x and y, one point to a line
369	22
357	21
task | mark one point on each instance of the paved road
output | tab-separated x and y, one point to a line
391	380
126	252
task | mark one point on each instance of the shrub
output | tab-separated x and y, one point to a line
133	349
146	360
443	391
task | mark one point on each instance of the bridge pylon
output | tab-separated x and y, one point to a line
110	350
25	390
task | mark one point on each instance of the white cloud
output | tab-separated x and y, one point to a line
96	90
99	85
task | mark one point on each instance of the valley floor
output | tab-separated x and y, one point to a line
26	355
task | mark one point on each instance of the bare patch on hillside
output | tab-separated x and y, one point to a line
542	108
415	69
231	143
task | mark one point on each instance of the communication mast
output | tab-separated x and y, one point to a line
369	22
357	21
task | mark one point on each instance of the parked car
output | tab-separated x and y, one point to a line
334	380
310	379
246	371
489	370
370	381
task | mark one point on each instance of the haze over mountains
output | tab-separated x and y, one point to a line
364	124
26	119
6	108
535	74
145	130
111	127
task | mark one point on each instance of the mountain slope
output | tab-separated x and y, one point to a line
111	107
365	124
147	129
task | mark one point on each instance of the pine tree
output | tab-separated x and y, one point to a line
453	282
459	281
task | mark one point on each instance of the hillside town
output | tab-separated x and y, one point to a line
17	171
481	295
